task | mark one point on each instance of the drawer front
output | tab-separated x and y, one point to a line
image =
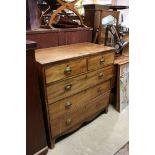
100	60
64	70
74	102
72	86
97	104
66	121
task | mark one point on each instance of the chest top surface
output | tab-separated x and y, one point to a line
61	53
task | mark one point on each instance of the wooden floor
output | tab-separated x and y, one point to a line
124	150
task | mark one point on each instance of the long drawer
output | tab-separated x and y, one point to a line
87	109
72	86
100	60
65	70
74	102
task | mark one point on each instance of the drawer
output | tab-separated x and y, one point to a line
72	103
66	121
101	60
72	86
64	70
97	104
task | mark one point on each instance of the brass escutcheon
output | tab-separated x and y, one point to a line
68	70
68	121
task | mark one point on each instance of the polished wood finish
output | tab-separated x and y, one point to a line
57	37
58	90
100	60
70	100
65	70
35	132
80	111
58	54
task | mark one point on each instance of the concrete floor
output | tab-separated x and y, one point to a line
103	136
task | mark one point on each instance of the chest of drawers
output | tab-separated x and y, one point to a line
76	84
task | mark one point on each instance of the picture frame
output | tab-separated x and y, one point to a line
122	92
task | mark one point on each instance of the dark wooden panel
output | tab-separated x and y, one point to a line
49	38
62	38
35	132
44	40
78	37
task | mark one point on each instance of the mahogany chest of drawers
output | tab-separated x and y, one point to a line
76	84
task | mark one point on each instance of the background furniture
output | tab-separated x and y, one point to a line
100	27
35	132
49	38
76	84
62	7
56	37
95	12
122	82
119	62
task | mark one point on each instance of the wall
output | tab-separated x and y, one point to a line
124	12
97	1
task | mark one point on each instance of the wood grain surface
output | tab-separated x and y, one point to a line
81	111
57	90
77	100
101	60
57	72
76	82
61	53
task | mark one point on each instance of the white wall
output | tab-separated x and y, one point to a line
124	12
97	2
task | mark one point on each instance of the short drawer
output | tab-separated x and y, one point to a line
64	70
101	60
66	121
72	103
72	86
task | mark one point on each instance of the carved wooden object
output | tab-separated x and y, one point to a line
63	6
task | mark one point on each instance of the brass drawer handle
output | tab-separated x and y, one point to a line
68	105
102	60
68	87
68	121
100	75
68	70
